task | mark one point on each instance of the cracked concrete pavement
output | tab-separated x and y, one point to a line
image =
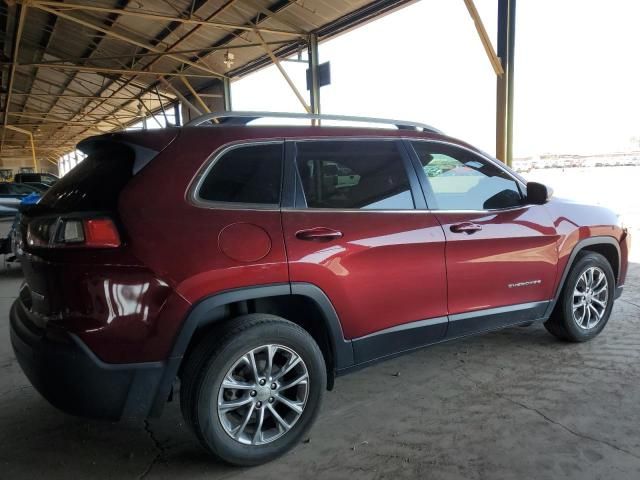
510	404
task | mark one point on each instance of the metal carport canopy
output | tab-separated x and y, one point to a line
71	69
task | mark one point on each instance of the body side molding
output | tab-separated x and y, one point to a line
408	337
479	321
398	339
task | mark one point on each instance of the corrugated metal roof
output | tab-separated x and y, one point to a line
82	66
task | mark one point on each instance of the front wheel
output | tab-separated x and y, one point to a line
586	300
252	392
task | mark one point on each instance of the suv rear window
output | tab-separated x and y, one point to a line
95	183
248	174
353	175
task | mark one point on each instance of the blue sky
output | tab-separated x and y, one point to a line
577	74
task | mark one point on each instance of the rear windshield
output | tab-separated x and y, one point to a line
95	183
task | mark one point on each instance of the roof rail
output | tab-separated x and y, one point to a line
242	118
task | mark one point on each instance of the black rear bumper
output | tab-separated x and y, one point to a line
66	373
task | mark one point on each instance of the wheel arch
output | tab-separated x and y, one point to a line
302	303
604	245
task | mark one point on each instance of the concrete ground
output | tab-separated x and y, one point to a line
507	405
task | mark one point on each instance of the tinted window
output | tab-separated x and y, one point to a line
250	174
95	183
18	189
353	174
460	180
36	177
4	189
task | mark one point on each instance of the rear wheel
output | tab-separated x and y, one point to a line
252	392
586	300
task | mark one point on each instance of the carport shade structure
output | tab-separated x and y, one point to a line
71	69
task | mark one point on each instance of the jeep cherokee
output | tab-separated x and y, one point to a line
251	265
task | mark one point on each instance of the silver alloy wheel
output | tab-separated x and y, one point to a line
590	297
263	394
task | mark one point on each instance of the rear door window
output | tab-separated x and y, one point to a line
358	174
248	174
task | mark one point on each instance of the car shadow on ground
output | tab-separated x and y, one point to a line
68	446
10	270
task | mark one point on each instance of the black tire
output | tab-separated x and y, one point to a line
561	324
207	366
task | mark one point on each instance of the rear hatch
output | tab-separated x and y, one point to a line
73	236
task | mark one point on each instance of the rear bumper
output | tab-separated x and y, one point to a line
67	374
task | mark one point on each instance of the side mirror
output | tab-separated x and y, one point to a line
537	193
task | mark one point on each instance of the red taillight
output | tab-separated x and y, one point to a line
101	233
73	232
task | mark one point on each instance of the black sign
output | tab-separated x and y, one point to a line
324	75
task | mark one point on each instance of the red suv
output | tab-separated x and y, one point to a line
254	264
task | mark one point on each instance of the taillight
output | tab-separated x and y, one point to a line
73	232
101	232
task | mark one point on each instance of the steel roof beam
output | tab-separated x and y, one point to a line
91	48
484	38
175	44
118	71
166	18
79	97
120	36
12	72
161	54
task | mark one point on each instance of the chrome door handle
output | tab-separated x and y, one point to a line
319	234
465	227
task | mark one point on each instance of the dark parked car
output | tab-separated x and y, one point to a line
11	194
32	177
257	263
39	186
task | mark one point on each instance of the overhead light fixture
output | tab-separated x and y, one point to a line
229	59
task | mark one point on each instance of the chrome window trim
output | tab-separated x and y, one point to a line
352	210
490	160
196	182
416	210
193	195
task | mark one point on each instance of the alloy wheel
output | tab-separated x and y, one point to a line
590	298
263	394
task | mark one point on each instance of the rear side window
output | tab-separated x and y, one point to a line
250	174
95	183
353	175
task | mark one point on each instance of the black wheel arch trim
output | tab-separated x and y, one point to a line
580	246
201	315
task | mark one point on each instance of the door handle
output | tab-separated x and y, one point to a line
465	227
319	234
